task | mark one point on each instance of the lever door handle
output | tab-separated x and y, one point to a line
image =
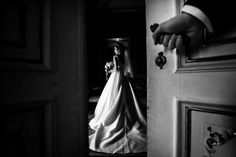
217	139
153	27
160	59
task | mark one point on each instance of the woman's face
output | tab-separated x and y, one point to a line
116	50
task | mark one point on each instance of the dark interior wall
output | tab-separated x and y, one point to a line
115	19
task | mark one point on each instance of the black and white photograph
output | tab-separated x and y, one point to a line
117	78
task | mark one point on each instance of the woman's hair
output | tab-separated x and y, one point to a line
121	48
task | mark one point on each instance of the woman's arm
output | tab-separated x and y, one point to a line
115	63
111	66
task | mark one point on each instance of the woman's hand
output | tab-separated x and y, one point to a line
109	67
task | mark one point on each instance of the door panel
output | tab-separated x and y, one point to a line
43	81
201	124
27	129
217	122
207	86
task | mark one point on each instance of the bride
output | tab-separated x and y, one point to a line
119	124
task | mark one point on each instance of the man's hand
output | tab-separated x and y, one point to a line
175	32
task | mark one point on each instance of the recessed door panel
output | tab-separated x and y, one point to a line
212	134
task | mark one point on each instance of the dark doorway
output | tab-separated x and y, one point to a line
112	19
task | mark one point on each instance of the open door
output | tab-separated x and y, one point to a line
192	99
43	78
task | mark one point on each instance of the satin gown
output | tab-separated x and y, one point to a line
119	124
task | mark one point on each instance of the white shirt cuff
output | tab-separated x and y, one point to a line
196	12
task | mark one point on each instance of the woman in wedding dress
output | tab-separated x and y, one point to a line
119	124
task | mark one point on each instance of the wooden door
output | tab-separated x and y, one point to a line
42	83
192	98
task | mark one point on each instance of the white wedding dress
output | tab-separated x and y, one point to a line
119	124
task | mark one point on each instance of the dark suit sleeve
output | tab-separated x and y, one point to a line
220	13
202	5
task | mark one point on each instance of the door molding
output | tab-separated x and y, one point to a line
182	111
28	46
216	54
29	121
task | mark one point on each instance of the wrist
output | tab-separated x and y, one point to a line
191	21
